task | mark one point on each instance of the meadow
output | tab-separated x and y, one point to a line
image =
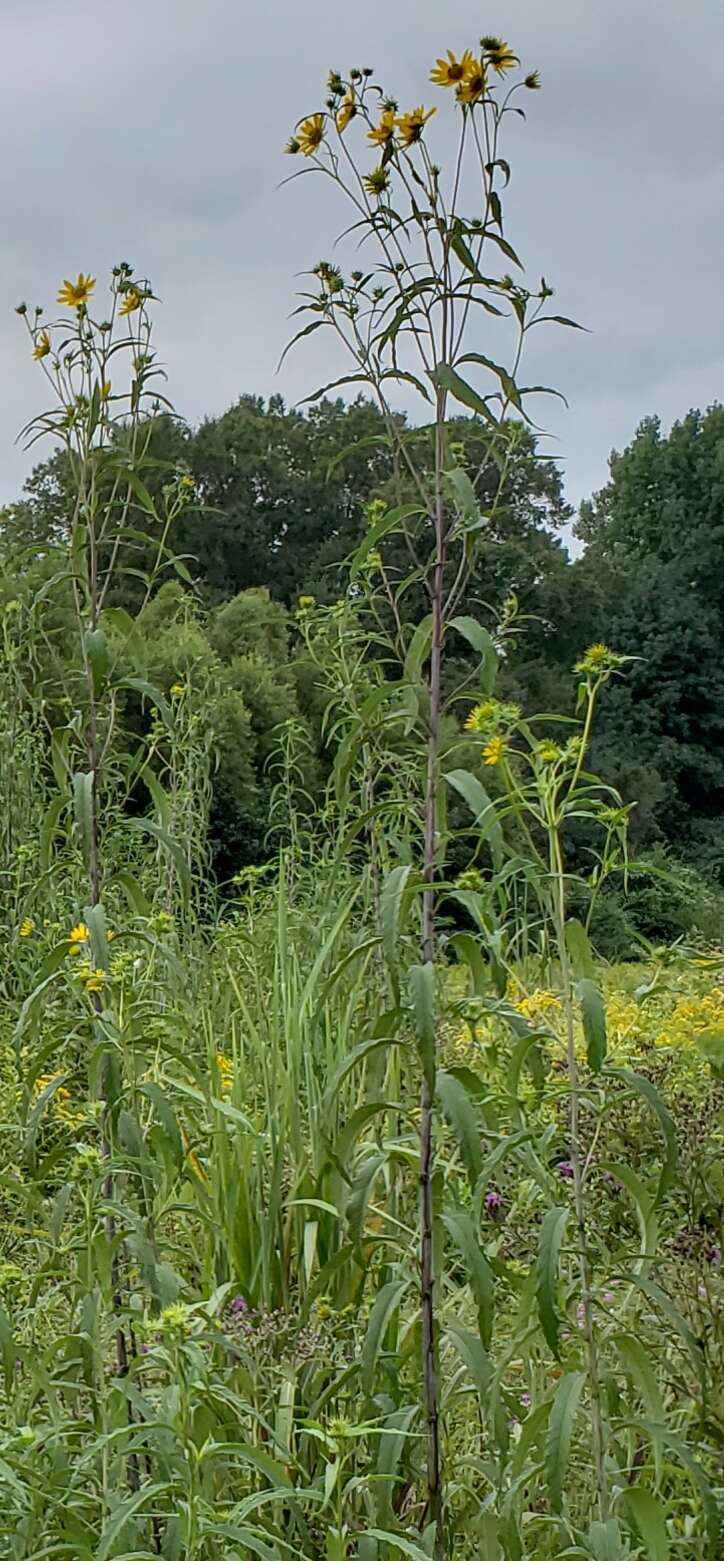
357	1205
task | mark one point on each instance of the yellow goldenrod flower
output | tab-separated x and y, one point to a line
42	346
410	126
226	1072
380	134
310	135
472	86
27	927
448	72
131	302
499	55
96	981
494	750
76	294
110	935
77	937
376	182
346	111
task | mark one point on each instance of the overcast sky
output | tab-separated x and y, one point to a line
152	131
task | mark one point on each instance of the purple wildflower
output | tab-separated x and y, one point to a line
238	1305
565	1169
494	1203
526	1400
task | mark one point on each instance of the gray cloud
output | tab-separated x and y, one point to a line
152	132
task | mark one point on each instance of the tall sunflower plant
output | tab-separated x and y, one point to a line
434	304
91	1017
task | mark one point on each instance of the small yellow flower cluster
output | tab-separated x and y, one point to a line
61	1099
225	1068
538	1005
27	927
692	1017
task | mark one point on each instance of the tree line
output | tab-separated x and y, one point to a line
279	503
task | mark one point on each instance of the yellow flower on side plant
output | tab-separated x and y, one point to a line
448	72
310	135
410	126
76	294
346	111
27	927
380	134
77	937
177	690
131	302
548	752
42	346
96	981
472	86
494	751
499	55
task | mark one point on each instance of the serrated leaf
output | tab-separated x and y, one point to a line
551	1236
461	1115
579	951
422	992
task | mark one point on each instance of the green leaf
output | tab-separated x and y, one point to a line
477	1268
650	1520
481	806
482	642
710	1044
446	379
391	908
549	1245
387	1302
397	1542
83	811
560	1431
389	1457
461	1115
422	992
474	1355
579	950
122	1515
390	521
593	1013
97	652
650	1094
419	650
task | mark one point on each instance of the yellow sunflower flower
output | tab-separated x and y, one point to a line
131	302
410	126
380	134
494	750
472	86
76	294
77	937
105	390
310	134
346	111
42	346
27	927
448	72
481	715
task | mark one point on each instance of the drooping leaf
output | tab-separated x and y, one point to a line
422	992
477	1268
460	1112
593	1013
560	1431
386	1303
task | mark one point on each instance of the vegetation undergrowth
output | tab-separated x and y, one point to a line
365	1211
